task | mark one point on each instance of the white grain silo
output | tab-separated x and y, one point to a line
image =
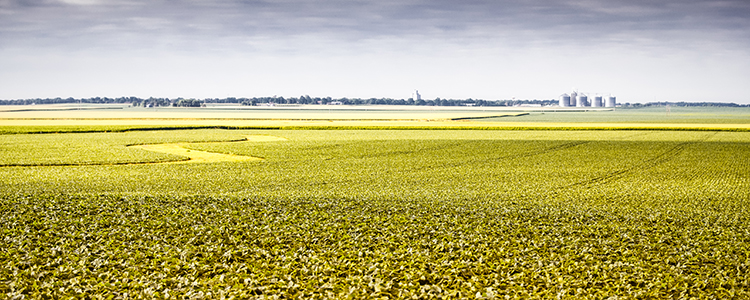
597	101
611	101
573	96
564	100
581	100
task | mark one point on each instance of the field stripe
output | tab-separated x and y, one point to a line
447	125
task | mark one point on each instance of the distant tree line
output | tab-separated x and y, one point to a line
69	100
389	101
699	104
181	102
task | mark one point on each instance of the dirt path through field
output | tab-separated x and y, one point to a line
197	156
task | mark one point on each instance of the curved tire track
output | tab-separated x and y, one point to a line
643	166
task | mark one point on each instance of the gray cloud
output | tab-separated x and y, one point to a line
85	23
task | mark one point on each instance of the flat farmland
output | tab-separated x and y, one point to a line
376	214
113	117
226	112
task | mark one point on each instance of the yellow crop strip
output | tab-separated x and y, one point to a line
197	156
194	156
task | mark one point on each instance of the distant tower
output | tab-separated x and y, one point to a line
416	96
573	97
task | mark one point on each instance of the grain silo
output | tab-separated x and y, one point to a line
611	102
597	101
581	100
573	96
564	100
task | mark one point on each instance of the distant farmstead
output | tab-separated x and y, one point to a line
576	99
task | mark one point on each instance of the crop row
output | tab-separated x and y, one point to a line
394	214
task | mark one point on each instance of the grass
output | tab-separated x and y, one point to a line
379	213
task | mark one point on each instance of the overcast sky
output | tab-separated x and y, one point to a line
637	50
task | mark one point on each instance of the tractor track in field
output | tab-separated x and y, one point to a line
542	151
563	146
643	166
452	144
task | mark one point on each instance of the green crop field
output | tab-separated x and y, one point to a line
658	115
375	214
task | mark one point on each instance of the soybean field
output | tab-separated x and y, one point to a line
387	214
